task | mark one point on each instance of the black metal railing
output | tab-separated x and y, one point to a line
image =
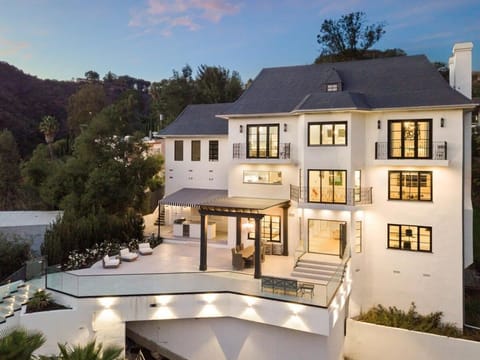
422	151
353	196
283	152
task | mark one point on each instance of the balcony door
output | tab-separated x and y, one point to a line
410	139
326	237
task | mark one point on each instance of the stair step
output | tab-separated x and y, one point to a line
326	272
318	262
326	267
311	276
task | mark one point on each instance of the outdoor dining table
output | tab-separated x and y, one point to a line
247	252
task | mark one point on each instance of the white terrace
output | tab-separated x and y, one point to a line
173	268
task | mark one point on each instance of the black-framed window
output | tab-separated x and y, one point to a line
409	237
327	186
327	133
213	150
410	139
178	150
196	149
269	229
263	141
410	185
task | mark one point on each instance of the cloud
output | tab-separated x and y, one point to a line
8	47
190	14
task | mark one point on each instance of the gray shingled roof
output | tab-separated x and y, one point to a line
199	119
406	81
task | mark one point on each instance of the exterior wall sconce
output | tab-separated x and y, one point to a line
379	124
442	122
241	129
285	127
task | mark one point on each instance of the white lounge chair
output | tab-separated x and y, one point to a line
145	249
110	262
126	255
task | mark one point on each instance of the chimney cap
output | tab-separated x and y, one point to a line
463	46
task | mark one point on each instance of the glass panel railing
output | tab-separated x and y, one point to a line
337	278
176	283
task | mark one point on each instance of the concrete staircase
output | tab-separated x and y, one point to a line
161	218
320	270
14	300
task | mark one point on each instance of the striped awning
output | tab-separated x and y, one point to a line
192	197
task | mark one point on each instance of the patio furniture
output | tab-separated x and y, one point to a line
127	255
145	249
305	287
110	262
238	262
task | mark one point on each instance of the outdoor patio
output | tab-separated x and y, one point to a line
176	257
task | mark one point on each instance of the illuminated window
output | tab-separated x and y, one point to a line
327	186
332	87
262	177
410	237
269	229
331	133
358	236
262	141
410	185
409	139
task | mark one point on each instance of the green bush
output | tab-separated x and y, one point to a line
72	233
410	320
18	250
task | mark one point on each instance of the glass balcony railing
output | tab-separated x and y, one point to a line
183	283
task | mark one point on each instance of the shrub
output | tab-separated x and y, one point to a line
39	301
410	320
18	250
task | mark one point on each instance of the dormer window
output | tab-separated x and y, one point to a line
333	87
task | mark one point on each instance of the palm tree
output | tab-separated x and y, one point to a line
49	127
19	344
90	351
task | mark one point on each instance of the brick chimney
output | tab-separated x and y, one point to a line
460	66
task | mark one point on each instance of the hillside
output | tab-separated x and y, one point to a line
24	99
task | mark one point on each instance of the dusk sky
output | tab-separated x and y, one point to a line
62	39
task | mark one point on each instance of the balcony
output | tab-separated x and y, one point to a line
354	197
283	152
438	151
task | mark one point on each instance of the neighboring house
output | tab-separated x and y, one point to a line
30	225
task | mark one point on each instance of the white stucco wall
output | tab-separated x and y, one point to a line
202	174
374	342
230	338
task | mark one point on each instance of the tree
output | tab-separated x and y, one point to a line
170	96
87	102
89	351
20	344
49	127
214	84
10	177
18	251
349	37
92	75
